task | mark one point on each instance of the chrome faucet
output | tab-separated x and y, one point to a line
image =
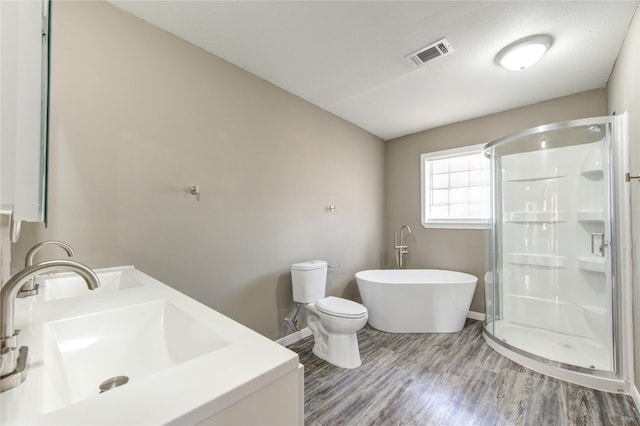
13	361
31	288
401	247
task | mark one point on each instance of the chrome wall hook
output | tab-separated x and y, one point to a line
195	191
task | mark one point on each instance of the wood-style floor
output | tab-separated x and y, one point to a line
446	379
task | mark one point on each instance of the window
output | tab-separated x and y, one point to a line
455	188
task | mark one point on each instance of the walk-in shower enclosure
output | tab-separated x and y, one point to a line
555	287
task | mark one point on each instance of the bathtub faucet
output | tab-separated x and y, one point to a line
401	247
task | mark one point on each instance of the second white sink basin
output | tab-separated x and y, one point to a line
136	341
68	286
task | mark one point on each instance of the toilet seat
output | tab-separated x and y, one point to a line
339	307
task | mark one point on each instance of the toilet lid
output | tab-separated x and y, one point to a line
338	306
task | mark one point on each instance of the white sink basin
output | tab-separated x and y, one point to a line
67	286
185	362
136	341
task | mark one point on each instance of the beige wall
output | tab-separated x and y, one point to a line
623	94
461	250
137	115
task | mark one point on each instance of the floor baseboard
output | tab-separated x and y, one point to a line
305	332
294	337
476	315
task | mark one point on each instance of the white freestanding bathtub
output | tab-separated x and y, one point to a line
416	300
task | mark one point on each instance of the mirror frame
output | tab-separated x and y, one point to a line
25	111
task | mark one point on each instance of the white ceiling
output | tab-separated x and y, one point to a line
347	57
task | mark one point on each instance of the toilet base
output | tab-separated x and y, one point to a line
345	354
340	350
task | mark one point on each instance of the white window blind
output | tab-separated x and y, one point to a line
455	188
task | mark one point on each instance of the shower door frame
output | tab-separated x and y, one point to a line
616	380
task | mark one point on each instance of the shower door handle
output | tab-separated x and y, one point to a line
597	244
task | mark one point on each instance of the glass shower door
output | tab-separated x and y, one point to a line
551	293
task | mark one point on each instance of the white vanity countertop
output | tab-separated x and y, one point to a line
186	393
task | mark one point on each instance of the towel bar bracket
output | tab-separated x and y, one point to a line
628	177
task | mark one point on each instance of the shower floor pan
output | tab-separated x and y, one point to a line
559	347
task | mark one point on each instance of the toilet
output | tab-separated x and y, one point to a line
333	321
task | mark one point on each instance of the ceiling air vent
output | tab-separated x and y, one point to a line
437	49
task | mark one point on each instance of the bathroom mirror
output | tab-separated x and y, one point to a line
24	105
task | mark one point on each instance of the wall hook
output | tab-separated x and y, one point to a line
195	191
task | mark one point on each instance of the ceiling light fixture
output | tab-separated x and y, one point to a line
523	53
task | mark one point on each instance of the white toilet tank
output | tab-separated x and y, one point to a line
309	281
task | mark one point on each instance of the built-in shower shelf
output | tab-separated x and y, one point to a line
513	177
590	215
592	166
537	216
593	174
545	260
593	264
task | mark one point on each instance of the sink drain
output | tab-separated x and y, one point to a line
113	382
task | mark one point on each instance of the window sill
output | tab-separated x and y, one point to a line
456	225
